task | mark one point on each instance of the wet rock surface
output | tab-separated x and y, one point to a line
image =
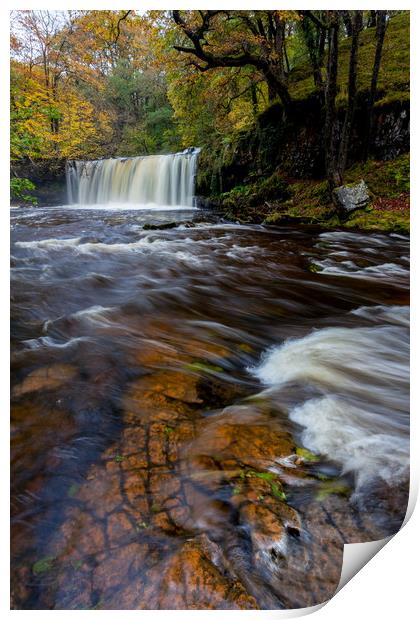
190	511
150	470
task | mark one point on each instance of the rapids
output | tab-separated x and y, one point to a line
202	415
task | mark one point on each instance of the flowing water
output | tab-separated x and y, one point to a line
163	180
201	415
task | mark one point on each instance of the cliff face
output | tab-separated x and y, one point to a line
295	146
48	177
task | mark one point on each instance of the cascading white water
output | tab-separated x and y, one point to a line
360	415
158	180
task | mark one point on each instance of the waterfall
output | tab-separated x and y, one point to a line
158	180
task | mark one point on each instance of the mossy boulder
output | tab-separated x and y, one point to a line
348	198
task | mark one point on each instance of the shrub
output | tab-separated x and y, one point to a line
19	189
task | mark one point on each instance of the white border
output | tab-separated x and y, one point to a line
387	586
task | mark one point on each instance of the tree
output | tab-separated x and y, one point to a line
314	33
356	25
380	22
333	175
85	84
337	139
215	39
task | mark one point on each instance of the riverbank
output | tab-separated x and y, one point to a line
280	200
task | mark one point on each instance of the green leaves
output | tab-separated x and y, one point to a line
19	189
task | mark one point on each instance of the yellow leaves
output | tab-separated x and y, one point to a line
241	116
288	15
82	131
60	124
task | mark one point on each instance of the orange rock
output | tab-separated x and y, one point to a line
175	385
192	581
242	434
118	577
45	378
266	530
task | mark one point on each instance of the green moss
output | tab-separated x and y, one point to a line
203	366
73	489
394	76
276	488
278	492
314	269
322	477
244	197
43	566
307	455
264	475
389	180
380	221
246	348
274	218
384	178
330	487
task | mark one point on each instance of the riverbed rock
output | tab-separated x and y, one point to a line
193	581
348	198
45	378
162	226
188	508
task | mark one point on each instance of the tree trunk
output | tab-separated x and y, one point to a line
320	59
356	24
332	171
380	36
254	99
314	37
372	19
347	22
272	92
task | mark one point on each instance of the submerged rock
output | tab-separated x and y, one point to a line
192	580
45	378
348	198
163	226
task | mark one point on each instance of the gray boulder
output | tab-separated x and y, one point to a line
348	198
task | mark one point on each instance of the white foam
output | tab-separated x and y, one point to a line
50	343
361	418
49	244
355	437
127	207
76	245
399	315
338	236
350	269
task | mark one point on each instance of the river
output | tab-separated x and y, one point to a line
201	414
